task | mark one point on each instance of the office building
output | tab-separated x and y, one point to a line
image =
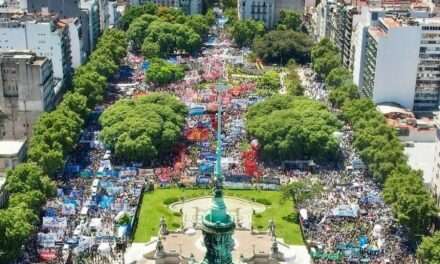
26	90
267	11
190	7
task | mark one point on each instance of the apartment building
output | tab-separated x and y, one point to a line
267	11
26	90
361	33
93	19
390	68
45	35
190	7
416	63
427	95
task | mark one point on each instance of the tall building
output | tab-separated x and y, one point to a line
77	45
418	83
93	15
26	90
45	35
361	32
267	11
384	59
190	7
427	94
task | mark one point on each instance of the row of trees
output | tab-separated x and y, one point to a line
54	136
291	128
145	129
378	145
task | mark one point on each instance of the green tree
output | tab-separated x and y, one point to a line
199	24
49	158
143	130
75	102
280	46
339	95
268	84
300	191
290	20
245	31
291	128
428	251
173	37
324	65
150	49
162	72
292	80
101	62
337	77
137	31
132	12
16	226
90	84
412	204
27	177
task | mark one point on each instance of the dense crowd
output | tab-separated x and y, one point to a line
349	221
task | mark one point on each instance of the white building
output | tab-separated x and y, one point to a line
77	45
114	13
387	77
267	11
370	38
418	83
44	35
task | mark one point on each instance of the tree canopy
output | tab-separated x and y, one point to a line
268	84
289	20
162	72
280	46
429	252
325	57
145	129
291	128
245	31
292	80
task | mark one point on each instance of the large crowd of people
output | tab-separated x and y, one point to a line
349	221
95	207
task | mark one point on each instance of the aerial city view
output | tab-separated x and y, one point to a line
219	131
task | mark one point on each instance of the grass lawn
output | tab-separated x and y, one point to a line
153	206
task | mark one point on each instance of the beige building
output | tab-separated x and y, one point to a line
267	11
26	90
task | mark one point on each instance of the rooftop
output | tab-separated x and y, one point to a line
391	22
376	32
421	157
11	147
